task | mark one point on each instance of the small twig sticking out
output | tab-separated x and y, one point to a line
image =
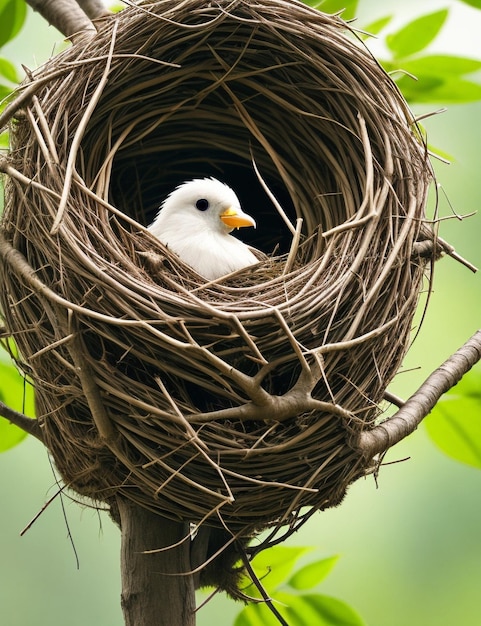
44	507
420	404
450	251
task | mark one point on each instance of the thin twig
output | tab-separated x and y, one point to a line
267	599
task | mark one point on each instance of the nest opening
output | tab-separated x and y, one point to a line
233	403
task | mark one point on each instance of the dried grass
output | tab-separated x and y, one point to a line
235	403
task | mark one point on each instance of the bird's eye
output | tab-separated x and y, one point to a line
202	204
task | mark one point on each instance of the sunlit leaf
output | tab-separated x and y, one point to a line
473	3
4	143
257	615
297	609
441	65
373	28
416	35
318	610
12	17
4	91
17	395
436	89
272	567
312	574
8	70
347	8
455	422
442	154
116	7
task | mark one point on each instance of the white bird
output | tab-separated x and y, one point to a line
195	220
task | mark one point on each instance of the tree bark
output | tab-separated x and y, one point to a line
73	18
420	404
157	589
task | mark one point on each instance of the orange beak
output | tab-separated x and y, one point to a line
236	218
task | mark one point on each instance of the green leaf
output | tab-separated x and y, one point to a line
318	610
442	154
455	422
18	395
12	17
416	35
347	8
441	65
4	92
4	144
436	89
312	574
473	3
256	615
8	71
373	28
272	567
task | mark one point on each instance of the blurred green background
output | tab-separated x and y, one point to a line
410	546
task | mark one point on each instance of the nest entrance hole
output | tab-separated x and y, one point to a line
139	184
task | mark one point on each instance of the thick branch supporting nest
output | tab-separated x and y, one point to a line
74	19
237	403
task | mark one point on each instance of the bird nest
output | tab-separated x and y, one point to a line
235	403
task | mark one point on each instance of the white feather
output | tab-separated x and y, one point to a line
200	237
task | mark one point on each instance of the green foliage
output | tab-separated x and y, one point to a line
17	394
446	91
312	574
455	422
373	28
473	3
274	569
12	17
347	8
8	71
416	35
427	78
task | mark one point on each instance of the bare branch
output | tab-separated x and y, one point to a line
66	16
94	9
420	404
29	425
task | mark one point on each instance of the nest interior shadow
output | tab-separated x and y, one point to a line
235	403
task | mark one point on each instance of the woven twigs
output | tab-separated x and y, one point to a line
241	402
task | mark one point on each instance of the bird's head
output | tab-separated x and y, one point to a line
203	203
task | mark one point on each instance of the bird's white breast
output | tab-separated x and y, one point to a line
211	254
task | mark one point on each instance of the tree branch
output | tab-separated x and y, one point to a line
73	19
29	425
94	9
419	405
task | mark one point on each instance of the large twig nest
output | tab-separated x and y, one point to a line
238	402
